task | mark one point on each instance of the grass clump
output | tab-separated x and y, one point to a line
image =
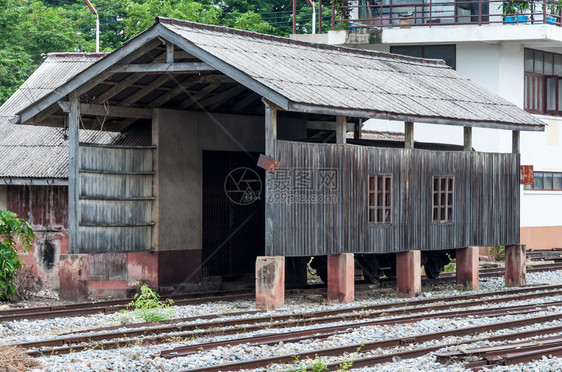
148	306
14	359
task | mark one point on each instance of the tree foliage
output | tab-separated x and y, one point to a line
12	230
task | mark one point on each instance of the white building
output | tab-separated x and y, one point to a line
521	61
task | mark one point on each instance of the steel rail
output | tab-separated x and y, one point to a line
111	306
443	303
76	343
365	362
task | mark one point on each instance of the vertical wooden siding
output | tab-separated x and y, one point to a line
486	200
115	198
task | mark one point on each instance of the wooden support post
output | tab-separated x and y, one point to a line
357	130
409	135
341	129
169	52
467	138
270	138
515	142
73	175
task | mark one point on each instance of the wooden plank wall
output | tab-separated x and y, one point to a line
115	198
486	200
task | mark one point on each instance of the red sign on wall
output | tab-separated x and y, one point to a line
527	175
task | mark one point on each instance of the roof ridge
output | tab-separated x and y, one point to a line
76	55
286	40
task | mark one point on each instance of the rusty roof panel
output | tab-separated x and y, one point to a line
327	76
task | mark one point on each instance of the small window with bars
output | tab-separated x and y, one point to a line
443	197
380	199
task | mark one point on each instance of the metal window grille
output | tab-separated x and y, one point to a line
443	197
380	199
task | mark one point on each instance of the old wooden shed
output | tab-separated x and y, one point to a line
194	203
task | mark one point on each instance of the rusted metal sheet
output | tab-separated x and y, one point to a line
44	207
485	200
115	198
527	175
355	80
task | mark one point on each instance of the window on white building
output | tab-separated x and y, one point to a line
543	89
444	52
546	181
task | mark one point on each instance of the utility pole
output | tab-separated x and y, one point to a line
95	12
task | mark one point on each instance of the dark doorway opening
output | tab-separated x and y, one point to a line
233	213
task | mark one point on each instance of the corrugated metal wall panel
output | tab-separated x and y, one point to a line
115	199
114	239
486	200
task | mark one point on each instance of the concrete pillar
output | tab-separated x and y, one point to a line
270	282
408	273
341	278
515	265
73	272
467	268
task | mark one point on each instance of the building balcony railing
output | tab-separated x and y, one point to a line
413	13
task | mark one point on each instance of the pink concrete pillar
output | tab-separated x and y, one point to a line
341	278
270	282
73	272
515	265
408	273
467	268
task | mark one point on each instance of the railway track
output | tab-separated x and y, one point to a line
111	306
354	317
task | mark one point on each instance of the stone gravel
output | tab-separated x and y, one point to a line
140	358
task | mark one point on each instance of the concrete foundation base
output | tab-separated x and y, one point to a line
467	268
408	273
270	282
515	265
341	278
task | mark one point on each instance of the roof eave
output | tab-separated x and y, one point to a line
358	113
92	74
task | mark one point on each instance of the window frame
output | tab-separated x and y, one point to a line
374	205
542	175
449	215
541	94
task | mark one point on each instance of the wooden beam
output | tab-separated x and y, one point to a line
225	68
270	139
326	125
196	96
467	138
341	129
73	176
515	142
368	114
408	135
179	67
245	102
122	85
144	91
212	102
106	110
93	74
181	88
169	52
357	130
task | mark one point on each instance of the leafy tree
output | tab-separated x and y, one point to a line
12	230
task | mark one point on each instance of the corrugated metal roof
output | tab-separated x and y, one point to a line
42	152
320	76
